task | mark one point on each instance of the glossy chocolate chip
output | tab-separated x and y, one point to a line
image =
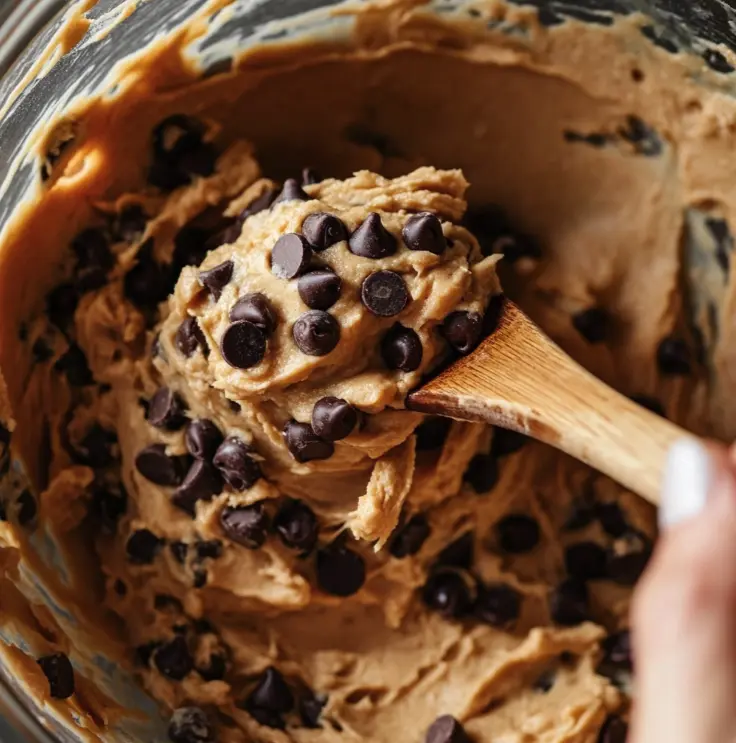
217	278
210	549
73	364
334	419
93	259
243	345
191	725
628	558
593	324
60	674
401	349
446	592
203	438
142	547
310	177
203	482
179	153
340	570
674	357
234	460
297	525
446	729
316	333
424	232
385	294
173	659
189	337
320	290
463	330
271	693
292	191
498	605
310	709
159	468
130	223
324	230
167	410
410	537
568	603
246	525
215	669
255	308
304	444
372	239
460	553
432	433
291	256
482	473
614	730
585	561
259	204
517	534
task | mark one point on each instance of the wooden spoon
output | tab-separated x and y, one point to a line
520	379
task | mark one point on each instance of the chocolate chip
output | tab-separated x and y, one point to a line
650	403
517	534
272	693
372	239
96	447
310	709
517	246
266	718
568	603
432	433
310	177
612	519
460	553
673	357
176	135
173	659
179	551
320	290
190	247
482	473
410	537
334	419
592	324
203	482
209	550
217	278
446	592
546	681
148	283
628	558
234	406
191	725
246	525
617	658
237	466
291	256
292	191
215	669
60	674
130	223
159	468
304	444
255	308
401	349
297	525
585	561
385	294
143	653
107	506
316	333
463	330
446	729
324	230
614	730
243	345
27	508
179	152
203	438
164	602
142	547
73	364
200	578
61	304
259	204
94	259
488	223
340	570
580	514
166	410
424	232
189	337
498	605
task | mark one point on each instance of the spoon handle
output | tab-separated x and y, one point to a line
520	379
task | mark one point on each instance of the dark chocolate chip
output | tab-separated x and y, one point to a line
243	345
210	549
614	730
401	349
463	330
446	729
191	725
173	659
340	570
545	681
246	525
304	444
200	578
674	357
650	403
256	309
27	508
460	553
148	283
73	364
585	561
157	466
716	61
61	304
60	674
292	191
581	514
488	223
203	438
96	449
164	602
215	669
107	506
266	718
217	278
568	603
628	558
333	419
291	256
166	410
259	204
517	246
446	592
234	406
432	433
612	519
593	324
617	662
385	294
498	605
507	442
179	551
310	709
190	247
320	290
316	333
310	177
297	525
94	259
424	232
517	534
237	466
324	230
410	537
203	482
179	152
372	239
176	135
272	693
143	653
142	547
482	473
189	337
130	225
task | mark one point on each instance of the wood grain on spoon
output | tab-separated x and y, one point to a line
520	379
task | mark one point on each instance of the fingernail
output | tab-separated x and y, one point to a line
688	478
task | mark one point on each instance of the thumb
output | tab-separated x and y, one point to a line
683	630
